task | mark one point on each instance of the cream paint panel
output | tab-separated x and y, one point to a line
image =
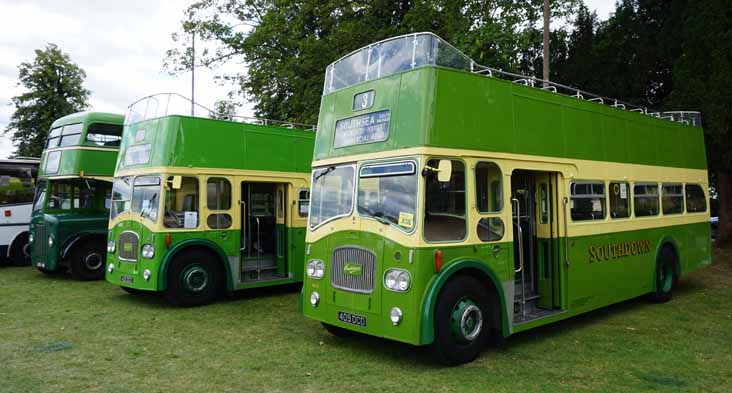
294	181
82	148
568	169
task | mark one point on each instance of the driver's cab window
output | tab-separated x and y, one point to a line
444	203
181	202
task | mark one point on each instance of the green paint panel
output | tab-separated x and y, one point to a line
439	107
180	141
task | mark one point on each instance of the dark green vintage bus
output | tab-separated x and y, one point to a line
452	202
68	226
203	205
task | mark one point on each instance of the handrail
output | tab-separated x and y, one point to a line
566	233
187	107
515	202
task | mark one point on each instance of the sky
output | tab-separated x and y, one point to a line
120	45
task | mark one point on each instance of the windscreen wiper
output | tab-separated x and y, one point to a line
325	172
378	216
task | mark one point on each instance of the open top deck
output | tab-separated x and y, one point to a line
417	90
167	130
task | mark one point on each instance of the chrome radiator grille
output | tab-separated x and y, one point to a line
128	246
363	283
40	241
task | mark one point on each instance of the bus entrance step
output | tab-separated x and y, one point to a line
533	314
517	299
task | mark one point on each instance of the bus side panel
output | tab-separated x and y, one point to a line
698	248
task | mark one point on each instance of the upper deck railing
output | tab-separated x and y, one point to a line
167	104
414	50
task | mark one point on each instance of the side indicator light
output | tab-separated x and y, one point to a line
167	240
438	261
8	213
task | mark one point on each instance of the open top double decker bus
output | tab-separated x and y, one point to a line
202	205
452	202
17	179
71	208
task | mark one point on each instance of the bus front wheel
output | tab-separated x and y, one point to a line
20	251
462	321
87	261
666	277
193	279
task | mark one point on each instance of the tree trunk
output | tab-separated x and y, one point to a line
724	230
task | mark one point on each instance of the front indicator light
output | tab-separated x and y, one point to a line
148	251
314	299
146	274
316	269
111	246
397	280
395	315
30	237
50	241
110	267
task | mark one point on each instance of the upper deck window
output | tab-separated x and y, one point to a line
107	135
391	56
68	135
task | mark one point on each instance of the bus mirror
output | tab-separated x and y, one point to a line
444	171
177	180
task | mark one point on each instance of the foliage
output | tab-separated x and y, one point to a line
292	41
224	110
54	88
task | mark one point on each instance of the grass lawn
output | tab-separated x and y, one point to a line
59	335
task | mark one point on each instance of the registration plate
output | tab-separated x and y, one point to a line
352	319
126	279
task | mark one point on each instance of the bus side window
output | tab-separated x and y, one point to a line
489	201
445	204
218	197
181	205
619	200
696	202
15	190
672	199
303	202
645	199
587	201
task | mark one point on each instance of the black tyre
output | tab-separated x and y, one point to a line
666	277
338	331
462	321
132	291
20	251
193	279
87	261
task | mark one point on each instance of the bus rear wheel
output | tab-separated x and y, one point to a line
462	321
193	279
666	277
20	251
87	261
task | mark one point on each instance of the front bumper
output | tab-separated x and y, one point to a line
132	274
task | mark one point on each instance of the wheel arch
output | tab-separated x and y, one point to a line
667	241
469	267
201	244
80	238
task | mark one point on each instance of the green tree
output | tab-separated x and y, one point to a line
701	78
290	42
224	110
54	88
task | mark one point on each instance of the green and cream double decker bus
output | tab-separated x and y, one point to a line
202	205
452	203
68	227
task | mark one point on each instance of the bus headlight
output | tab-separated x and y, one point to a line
314	299
397	280
148	251
395	315
111	246
30	237
316	269
50	241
